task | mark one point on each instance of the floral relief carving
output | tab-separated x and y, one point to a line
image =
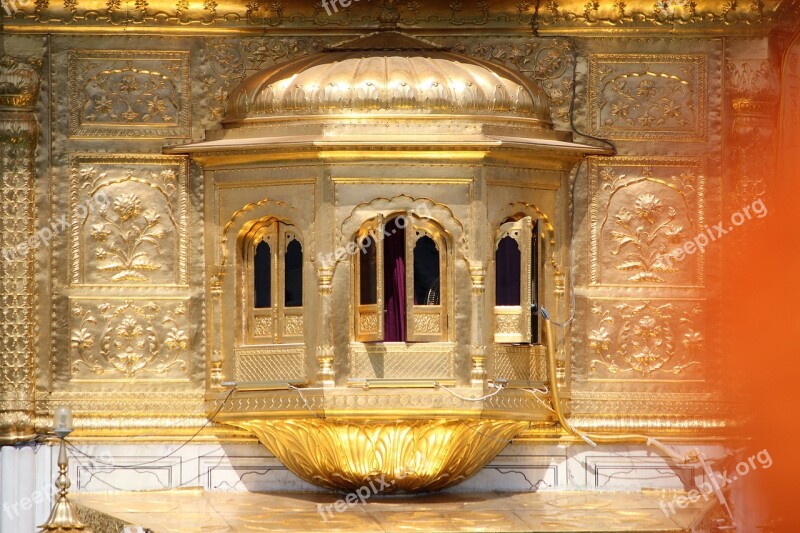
138	234
426	324
640	214
548	62
643	231
129	339
648	96
128	240
506	323
262	326
369	322
122	94
645	339
293	326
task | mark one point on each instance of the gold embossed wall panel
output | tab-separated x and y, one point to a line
126	270
648	96
116	94
642	209
128	220
644	315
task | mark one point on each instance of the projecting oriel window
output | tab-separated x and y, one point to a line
516	277
400	275
273	305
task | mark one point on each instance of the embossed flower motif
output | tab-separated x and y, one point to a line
600	340
673	233
646	327
99	232
82	339
127	206
128	84
672	110
151	218
646	360
176	340
620	110
624	217
648	207
693	340
646	89
104	105
129	328
156	105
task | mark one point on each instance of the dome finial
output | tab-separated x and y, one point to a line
390	15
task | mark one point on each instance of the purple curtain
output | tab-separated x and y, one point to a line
507	280
394	284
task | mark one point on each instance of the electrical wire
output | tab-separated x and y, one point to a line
499	389
173	452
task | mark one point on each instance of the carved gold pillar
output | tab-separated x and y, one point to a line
19	88
477	272
325	373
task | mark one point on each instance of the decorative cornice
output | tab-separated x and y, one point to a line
554	16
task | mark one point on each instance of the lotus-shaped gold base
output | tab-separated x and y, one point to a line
405	455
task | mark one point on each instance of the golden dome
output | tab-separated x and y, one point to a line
387	73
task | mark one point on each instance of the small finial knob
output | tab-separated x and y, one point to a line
390	15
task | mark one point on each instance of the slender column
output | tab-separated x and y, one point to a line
19	87
477	272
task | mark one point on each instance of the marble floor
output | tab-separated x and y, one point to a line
196	511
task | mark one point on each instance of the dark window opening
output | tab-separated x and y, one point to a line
426	272
293	282
368	271
262	276
507	277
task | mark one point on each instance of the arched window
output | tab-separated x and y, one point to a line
400	280
516	282
274	271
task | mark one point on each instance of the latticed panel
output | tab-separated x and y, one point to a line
402	362
520	363
267	364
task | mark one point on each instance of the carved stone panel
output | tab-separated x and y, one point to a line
642	210
129	220
648	96
129	93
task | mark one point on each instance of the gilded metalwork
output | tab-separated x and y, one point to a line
129	339
410	455
647	339
653	97
402	361
504	15
129	219
19	89
642	208
115	94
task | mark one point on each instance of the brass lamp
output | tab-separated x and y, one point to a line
63	517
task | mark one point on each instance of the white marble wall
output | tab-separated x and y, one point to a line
27	473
